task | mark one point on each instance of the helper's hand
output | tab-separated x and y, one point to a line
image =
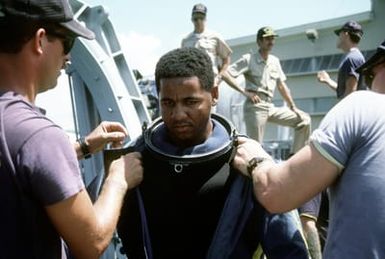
217	80
253	97
127	170
296	110
305	118
323	76
247	149
106	132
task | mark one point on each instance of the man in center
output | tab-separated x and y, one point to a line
191	203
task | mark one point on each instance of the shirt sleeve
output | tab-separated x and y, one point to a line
240	66
338	132
49	160
281	74
351	66
223	49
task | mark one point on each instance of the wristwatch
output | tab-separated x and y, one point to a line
253	163
84	148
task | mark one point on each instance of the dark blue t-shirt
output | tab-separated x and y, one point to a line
350	62
38	168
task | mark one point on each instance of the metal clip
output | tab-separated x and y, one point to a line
144	126
178	168
235	138
234	147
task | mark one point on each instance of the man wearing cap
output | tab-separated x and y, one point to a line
346	154
348	81
263	73
349	35
209	41
42	194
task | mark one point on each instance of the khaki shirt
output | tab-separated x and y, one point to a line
212	43
261	76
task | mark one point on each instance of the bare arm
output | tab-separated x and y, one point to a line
88	228
350	85
225	65
283	187
233	84
312	237
285	92
222	70
323	77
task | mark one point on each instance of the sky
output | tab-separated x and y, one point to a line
147	29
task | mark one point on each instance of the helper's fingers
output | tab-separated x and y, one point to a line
112	126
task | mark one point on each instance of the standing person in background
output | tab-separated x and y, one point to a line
349	35
42	194
263	73
208	41
348	81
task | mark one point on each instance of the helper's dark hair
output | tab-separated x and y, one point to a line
185	62
355	37
15	32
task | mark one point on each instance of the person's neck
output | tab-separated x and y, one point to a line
199	30
13	77
349	47
264	54
378	89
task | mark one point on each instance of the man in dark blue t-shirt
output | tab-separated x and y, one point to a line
349	35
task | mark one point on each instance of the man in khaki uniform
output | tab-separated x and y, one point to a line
210	42
263	73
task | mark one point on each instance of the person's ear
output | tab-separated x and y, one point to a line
214	95
39	40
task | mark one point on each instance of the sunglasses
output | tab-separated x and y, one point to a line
200	17
67	41
369	74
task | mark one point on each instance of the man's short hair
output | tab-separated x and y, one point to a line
355	37
15	33
185	62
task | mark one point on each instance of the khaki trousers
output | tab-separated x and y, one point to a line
257	115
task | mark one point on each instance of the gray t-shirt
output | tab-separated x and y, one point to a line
38	168
352	136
